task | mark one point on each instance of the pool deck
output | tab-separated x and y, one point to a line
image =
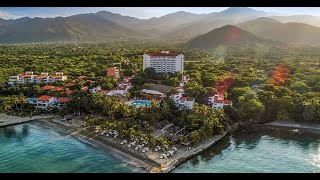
144	102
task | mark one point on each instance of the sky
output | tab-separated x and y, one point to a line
138	12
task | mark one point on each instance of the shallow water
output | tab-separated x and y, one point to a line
259	150
32	148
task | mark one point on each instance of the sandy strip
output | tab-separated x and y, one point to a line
97	141
150	161
305	126
6	120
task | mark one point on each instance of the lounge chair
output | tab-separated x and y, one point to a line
145	149
163	156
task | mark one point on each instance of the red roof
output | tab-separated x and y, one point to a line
68	91
63	100
112	72
69	85
218	98
54	77
25	76
85	88
48	87
58	89
162	54
44	98
38	77
227	102
186	99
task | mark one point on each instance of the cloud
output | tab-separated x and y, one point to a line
7	15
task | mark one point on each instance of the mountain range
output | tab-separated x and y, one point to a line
227	36
175	27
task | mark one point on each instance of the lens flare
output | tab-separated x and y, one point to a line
279	75
232	35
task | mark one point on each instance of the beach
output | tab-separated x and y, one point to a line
150	160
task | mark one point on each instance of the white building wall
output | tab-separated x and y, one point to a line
217	105
95	89
176	97
118	91
146	61
180	63
46	104
164	64
189	104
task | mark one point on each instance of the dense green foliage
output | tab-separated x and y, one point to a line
130	121
256	92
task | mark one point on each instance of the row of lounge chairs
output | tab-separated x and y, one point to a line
110	133
169	153
142	100
138	147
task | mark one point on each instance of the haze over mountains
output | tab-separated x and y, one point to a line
175	27
225	36
291	33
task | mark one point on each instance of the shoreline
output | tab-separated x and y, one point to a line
6	120
89	138
200	150
292	125
149	161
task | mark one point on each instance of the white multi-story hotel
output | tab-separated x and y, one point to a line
29	77
164	62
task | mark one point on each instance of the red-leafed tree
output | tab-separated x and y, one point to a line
279	75
224	84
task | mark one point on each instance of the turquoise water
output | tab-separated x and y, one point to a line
141	103
267	151
32	148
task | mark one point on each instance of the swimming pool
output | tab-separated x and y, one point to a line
141	103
